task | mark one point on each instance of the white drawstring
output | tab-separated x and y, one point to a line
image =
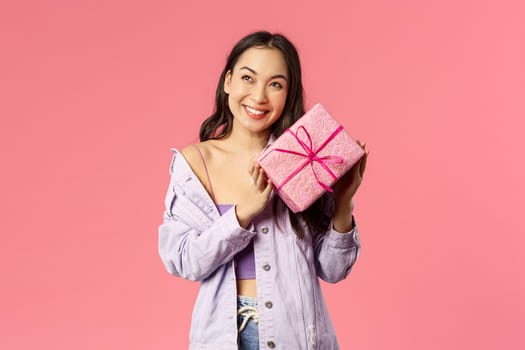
248	312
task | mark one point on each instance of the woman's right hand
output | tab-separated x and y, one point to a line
255	199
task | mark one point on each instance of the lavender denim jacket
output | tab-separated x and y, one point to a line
198	244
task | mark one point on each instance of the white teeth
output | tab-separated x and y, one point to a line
254	111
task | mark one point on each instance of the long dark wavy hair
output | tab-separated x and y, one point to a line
219	124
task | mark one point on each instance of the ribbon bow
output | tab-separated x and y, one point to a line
311	156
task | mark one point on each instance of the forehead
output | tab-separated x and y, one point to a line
263	60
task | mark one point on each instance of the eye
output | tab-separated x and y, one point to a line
276	85
247	78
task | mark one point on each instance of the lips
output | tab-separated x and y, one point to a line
255	113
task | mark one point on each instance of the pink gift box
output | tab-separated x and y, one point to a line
308	158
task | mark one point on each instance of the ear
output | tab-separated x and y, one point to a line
227	82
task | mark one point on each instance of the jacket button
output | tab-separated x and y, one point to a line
266	267
271	344
268	304
264	229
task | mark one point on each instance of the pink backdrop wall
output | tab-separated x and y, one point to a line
94	93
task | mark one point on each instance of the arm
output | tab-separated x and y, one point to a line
194	254
192	242
337	250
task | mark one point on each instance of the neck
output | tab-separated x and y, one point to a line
248	141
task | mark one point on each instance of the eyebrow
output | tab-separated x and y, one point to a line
273	77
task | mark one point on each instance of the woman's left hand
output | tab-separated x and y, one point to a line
346	186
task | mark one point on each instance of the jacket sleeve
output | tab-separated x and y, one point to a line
194	251
336	253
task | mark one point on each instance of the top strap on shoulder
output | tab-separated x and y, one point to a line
206	168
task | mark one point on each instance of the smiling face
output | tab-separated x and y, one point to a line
257	88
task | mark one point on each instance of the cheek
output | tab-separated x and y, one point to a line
239	89
280	100
234	96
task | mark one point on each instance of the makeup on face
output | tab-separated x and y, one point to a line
257	88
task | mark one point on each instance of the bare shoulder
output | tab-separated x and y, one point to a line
191	154
194	152
198	155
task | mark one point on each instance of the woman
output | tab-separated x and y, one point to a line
257	262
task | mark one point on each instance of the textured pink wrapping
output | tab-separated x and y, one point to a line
327	151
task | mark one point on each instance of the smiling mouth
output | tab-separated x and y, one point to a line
255	113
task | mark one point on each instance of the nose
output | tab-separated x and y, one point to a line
259	94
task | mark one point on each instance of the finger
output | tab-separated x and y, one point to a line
268	188
356	176
262	173
255	174
357	166
251	170
263	179
260	179
362	167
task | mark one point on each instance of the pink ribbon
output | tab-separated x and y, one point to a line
311	156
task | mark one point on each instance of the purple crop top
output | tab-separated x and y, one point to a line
245	259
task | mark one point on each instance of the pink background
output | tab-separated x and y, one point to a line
94	93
